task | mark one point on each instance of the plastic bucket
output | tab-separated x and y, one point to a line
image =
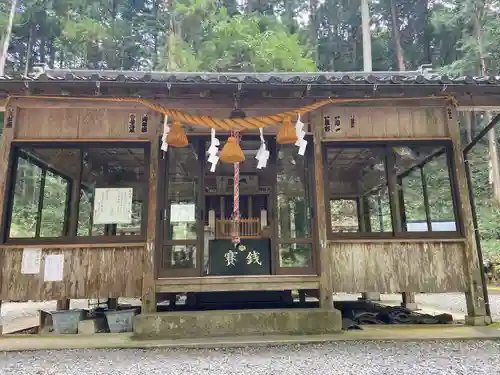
120	320
66	321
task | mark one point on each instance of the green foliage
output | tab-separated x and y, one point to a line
27	202
217	35
243	44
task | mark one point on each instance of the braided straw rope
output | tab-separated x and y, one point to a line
234	123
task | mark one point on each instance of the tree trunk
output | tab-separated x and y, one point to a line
52	53
29	49
313	27
397	37
155	36
492	143
494	167
427	36
468	126
6	37
367	42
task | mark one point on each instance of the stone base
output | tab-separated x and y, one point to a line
410	306
220	323
478	320
87	327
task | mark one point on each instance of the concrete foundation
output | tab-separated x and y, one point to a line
225	323
478	320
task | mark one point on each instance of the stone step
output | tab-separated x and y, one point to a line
223	323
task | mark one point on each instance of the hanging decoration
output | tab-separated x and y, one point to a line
176	136
236	193
231	152
213	150
299	131
166	130
286	134
263	154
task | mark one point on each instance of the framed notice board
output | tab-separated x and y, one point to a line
250	257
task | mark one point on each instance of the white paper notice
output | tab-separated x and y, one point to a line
30	264
182	213
113	205
54	268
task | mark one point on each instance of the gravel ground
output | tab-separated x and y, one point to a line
360	358
456	302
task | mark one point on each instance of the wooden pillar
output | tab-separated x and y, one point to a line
5	145
476	311
365	226
326	284
148	281
63	304
112	303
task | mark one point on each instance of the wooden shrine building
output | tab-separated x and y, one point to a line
96	200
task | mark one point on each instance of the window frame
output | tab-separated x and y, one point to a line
70	236
446	149
310	195
163	243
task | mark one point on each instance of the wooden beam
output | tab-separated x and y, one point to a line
479	108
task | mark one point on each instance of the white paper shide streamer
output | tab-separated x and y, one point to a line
213	150
166	130
263	154
301	142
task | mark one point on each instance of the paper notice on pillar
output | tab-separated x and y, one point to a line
54	268
32	258
113	205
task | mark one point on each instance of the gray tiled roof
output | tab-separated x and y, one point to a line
422	77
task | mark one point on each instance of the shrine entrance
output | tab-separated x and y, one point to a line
196	225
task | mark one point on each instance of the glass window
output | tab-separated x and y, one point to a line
294	216
111	168
293	208
46	177
379	210
344	215
180	227
54	216
179	257
428	203
25	205
357	189
413	199
183	182
295	255
389	188
437	182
